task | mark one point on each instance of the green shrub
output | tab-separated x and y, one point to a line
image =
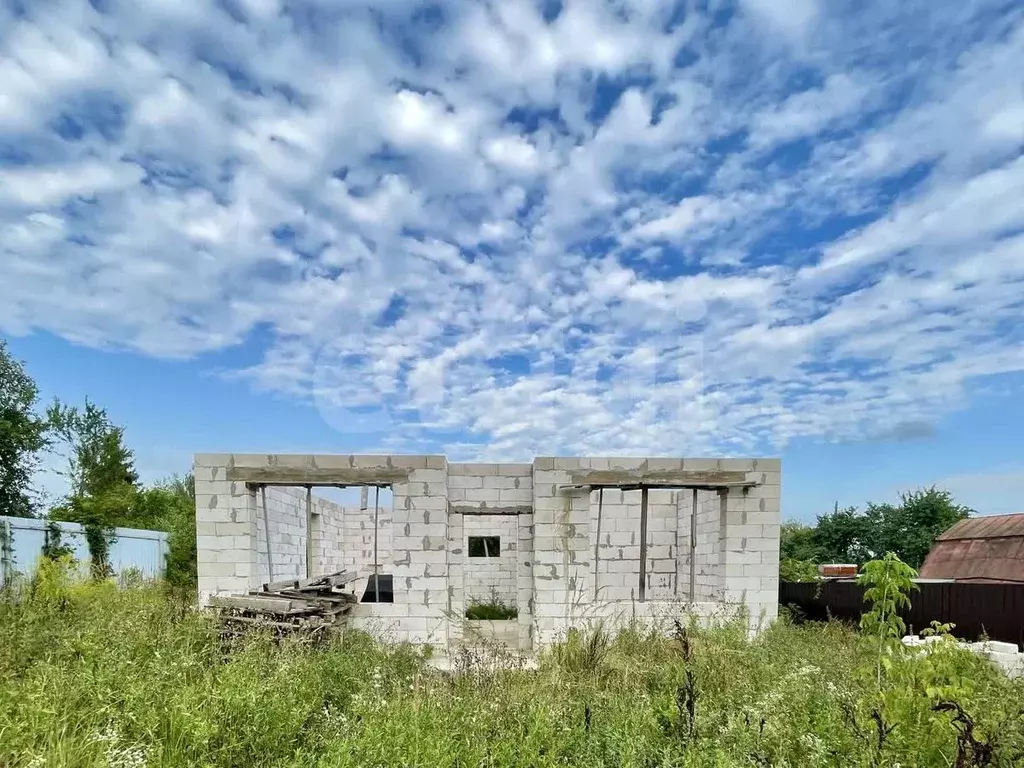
491	611
793	570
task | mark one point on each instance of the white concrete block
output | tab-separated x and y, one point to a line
515	495
516	470
997	646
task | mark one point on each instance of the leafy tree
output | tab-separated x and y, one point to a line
907	529
797	542
845	536
798	552
22	436
99	462
105	492
171	506
910	529
792	569
101	474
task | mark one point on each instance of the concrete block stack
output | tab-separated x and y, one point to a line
1006	656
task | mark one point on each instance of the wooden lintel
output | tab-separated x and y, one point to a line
672	478
454	509
379	476
658	486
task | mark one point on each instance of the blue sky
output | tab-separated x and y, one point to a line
771	227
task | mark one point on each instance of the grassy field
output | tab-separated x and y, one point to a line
93	676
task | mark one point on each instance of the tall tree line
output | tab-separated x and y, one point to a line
848	535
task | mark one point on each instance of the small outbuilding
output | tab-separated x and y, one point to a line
982	550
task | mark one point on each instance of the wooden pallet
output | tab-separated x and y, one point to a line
290	605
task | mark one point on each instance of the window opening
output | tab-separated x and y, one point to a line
485	546
380	588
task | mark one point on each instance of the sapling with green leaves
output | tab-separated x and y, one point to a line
889	582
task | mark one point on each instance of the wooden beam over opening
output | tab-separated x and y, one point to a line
510	511
658	487
674	478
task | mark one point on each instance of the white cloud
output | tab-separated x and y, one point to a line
689	213
791	17
536	234
44	187
808	112
946	219
414	118
513	153
40	67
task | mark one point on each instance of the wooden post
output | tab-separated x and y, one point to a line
376	569
693	547
266	532
309	532
6	552
675	548
597	545
643	545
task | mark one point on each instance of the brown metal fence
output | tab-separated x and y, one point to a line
993	610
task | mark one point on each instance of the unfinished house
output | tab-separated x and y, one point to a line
562	541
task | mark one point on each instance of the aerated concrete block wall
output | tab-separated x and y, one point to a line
491	499
749	540
617	552
492	578
708	572
553	556
227	526
420	547
662	545
328	532
562	559
225	529
286	514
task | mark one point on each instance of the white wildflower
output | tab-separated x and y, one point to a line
119	755
812	743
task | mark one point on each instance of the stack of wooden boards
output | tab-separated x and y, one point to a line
303	605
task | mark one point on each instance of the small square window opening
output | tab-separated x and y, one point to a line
379	589
485	546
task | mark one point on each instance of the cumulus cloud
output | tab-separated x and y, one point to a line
511	228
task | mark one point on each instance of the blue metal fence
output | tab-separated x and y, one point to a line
22	541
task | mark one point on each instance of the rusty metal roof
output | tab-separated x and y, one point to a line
981	549
992	527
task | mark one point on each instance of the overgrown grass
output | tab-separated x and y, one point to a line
93	676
